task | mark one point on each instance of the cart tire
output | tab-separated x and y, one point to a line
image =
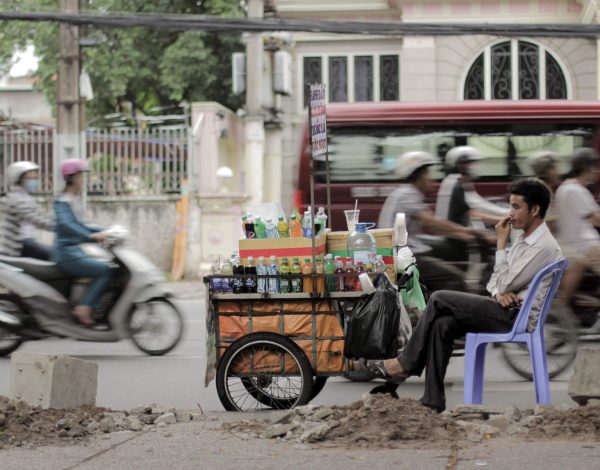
560	336
240	388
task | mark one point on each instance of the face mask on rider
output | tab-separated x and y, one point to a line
31	186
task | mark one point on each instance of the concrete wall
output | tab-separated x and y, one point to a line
25	105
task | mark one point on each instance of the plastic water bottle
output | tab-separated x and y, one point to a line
321	220
226	270
250	271
362	245
216	282
306	225
379	266
259	228
271	228
285	286
273	270
329	269
261	270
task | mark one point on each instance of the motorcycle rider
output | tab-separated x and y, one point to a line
70	233
457	199
21	214
544	165
409	198
578	219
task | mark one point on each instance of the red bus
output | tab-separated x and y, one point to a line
364	140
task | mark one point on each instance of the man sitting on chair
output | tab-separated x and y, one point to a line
450	315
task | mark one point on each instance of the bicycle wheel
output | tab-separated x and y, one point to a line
264	370
156	326
560	336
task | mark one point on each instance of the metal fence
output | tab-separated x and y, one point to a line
33	144
122	160
137	161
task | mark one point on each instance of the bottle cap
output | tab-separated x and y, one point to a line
260	258
280	217
284	260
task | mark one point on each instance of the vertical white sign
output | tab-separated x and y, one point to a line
318	120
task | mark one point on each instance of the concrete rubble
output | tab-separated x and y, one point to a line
382	421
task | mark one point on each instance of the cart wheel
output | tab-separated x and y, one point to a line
318	386
264	370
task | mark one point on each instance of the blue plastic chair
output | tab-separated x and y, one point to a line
477	342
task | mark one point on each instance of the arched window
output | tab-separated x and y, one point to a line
515	70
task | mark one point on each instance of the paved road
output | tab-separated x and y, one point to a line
127	378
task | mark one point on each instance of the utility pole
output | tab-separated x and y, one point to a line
69	141
254	125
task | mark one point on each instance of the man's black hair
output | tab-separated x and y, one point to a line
534	192
582	160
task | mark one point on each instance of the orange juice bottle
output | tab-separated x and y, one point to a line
320	271
307	271
295	227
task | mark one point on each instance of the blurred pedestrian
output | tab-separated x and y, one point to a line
578	219
21	214
430	252
70	233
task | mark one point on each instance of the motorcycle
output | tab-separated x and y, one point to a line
36	300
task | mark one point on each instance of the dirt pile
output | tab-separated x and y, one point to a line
383	421
25	425
375	421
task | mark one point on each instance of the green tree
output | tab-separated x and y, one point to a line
134	68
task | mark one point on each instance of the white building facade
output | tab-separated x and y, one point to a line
435	68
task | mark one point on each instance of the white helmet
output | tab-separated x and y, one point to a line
410	162
540	162
18	169
462	154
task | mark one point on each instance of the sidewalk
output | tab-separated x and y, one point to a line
186	290
201	444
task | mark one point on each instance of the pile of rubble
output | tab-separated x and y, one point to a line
22	424
382	421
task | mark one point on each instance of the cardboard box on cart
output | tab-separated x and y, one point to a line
337	245
290	248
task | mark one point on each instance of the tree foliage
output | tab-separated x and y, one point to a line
134	69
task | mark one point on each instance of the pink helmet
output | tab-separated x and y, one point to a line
73	166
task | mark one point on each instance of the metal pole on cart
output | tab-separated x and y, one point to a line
312	177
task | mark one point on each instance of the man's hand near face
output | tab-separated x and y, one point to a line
509	300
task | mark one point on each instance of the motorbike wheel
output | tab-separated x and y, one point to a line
155	326
264	370
9	341
560	336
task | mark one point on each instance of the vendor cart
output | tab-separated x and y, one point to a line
275	350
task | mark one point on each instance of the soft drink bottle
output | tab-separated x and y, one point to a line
259	228
284	270
250	271
360	269
271	228
329	269
261	270
226	270
296	276
283	228
295	213
295	228
306	227
339	272
238	284
350	282
244	219
249	228
320	279
321	220
273	270
307	280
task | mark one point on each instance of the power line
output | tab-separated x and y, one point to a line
236	25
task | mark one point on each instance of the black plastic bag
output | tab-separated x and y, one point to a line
372	331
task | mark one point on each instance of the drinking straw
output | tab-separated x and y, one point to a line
355	207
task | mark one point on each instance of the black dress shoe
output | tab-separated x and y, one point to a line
377	368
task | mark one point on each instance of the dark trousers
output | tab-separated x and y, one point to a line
33	249
449	315
439	275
